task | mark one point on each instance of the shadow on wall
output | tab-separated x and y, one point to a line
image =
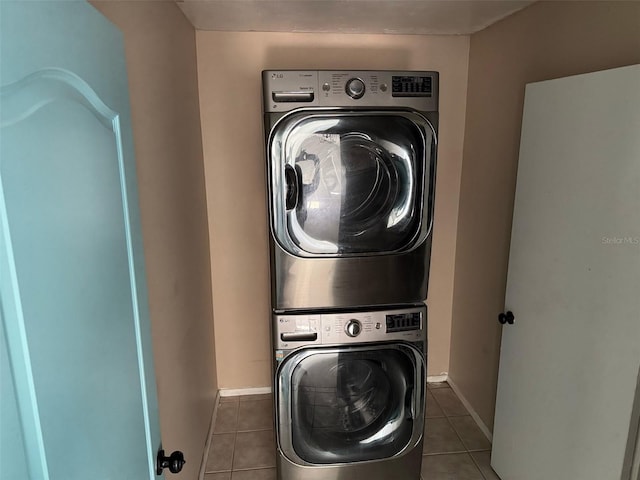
337	58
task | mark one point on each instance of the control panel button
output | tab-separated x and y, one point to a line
355	88
353	328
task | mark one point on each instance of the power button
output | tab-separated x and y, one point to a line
355	88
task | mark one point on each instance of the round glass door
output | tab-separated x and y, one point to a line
351	183
351	405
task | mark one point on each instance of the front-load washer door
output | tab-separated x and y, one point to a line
350	404
351	183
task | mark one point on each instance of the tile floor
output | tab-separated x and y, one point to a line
243	443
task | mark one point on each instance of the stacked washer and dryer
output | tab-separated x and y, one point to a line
351	170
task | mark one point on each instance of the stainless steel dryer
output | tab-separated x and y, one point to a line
351	164
350	394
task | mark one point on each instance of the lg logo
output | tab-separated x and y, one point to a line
277	75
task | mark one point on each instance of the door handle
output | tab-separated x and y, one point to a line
506	318
292	187
174	462
299	337
410	403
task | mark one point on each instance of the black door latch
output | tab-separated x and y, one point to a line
174	462
506	318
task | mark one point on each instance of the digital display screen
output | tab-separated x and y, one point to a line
403	86
403	321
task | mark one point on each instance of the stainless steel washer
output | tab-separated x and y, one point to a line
350	394
351	166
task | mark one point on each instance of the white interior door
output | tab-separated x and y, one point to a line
569	365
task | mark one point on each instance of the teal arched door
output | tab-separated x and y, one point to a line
78	386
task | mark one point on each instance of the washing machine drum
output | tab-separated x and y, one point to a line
351	406
370	184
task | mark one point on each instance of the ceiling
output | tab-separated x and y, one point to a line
349	16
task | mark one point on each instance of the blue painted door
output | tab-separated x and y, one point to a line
78	386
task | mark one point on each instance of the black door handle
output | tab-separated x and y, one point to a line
292	187
506	318
174	462
409	403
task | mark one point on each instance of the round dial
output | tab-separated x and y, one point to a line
353	328
355	88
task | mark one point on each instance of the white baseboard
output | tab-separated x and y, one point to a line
472	412
207	444
437	378
234	392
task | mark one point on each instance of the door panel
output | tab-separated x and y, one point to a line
351	183
350	405
73	287
569	364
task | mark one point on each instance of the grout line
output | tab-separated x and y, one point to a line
446	415
437	404
235	440
436	454
236	431
253	468
467	450
207	443
472	412
237	419
477	466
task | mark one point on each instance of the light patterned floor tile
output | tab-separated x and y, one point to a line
433	409
261	474
254	450
449	402
457	466
217	476
483	459
226	417
256	415
470	433
221	453
440	437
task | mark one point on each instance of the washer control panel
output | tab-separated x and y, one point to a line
296	330
286	90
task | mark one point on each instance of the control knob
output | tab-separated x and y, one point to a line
353	328
355	88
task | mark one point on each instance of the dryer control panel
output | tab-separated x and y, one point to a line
296	330
285	90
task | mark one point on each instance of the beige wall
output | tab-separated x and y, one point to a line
229	66
161	62
546	40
